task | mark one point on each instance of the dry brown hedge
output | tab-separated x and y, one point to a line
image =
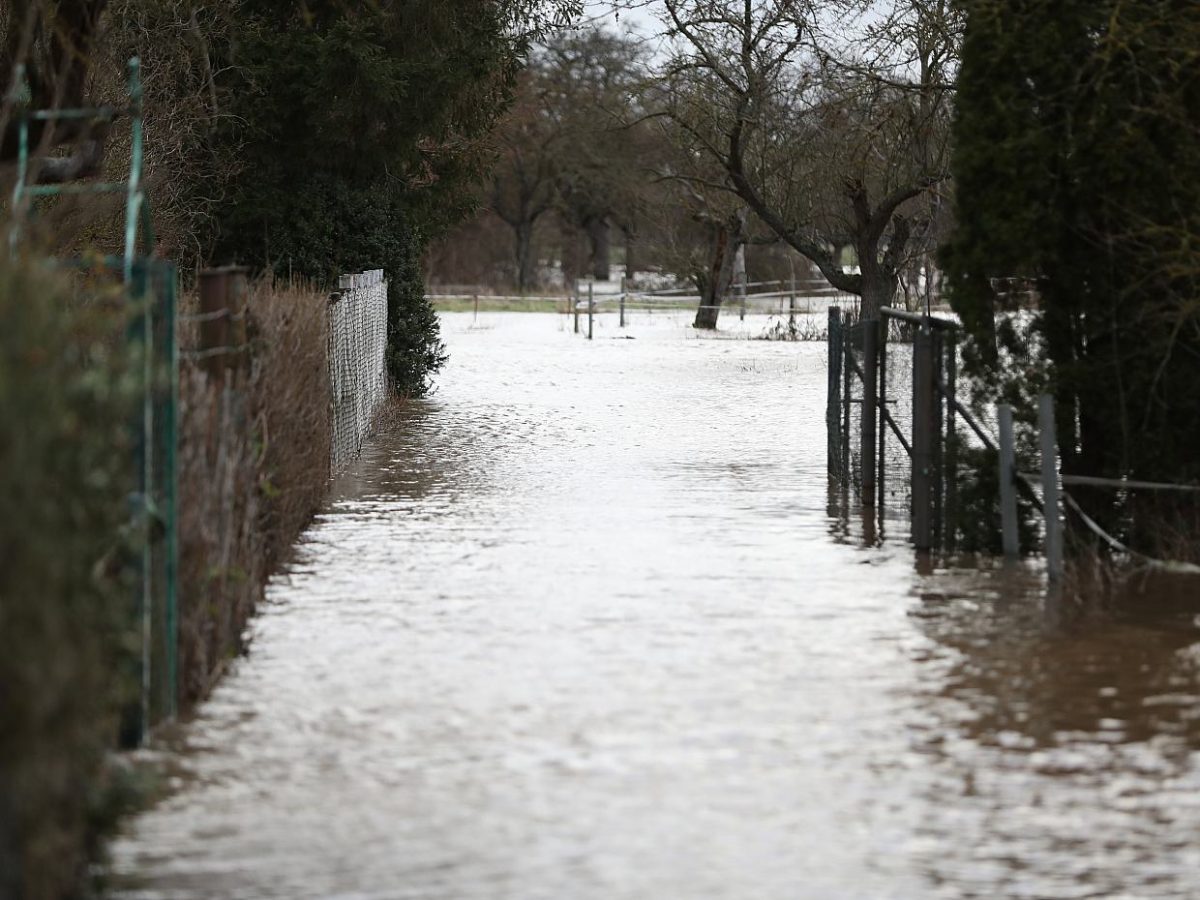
254	468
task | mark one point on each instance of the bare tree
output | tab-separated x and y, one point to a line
698	229
601	166
53	43
830	141
523	182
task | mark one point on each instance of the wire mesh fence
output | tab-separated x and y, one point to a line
895	425
357	361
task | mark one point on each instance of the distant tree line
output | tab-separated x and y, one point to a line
773	122
1028	157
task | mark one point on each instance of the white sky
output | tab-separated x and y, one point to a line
605	13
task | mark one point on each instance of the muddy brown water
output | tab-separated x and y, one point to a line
583	626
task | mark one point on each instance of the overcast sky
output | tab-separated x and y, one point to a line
601	12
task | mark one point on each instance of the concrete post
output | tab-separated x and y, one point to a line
1049	446
951	442
1008	484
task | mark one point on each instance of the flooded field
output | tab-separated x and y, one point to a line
583	627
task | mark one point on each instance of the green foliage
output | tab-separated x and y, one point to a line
65	474
977	509
357	128
1077	175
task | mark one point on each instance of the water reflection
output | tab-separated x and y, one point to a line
590	623
1061	739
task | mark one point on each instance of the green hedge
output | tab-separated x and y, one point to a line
65	470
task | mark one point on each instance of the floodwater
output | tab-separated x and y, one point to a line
583	627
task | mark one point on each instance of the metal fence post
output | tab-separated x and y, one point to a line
214	326
1049	446
881	471
623	283
792	303
937	479
238	298
1008	486
847	400
922	438
869	410
833	392
591	306
575	306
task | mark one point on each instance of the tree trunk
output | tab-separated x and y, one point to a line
715	285
598	233
630	251
524	240
570	255
878	291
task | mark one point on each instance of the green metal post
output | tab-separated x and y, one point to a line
133	202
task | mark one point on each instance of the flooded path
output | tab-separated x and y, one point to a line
583	628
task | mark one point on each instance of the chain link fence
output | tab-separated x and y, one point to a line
357	366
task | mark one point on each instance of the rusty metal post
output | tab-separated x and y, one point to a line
214	322
239	309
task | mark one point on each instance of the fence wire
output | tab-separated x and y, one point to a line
357	366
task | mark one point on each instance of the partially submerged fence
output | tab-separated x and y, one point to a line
589	299
357	360
939	426
916	405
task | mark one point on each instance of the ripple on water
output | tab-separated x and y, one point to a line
582	627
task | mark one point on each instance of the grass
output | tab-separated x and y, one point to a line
501	304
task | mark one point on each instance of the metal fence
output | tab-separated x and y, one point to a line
588	299
357	361
149	287
901	373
